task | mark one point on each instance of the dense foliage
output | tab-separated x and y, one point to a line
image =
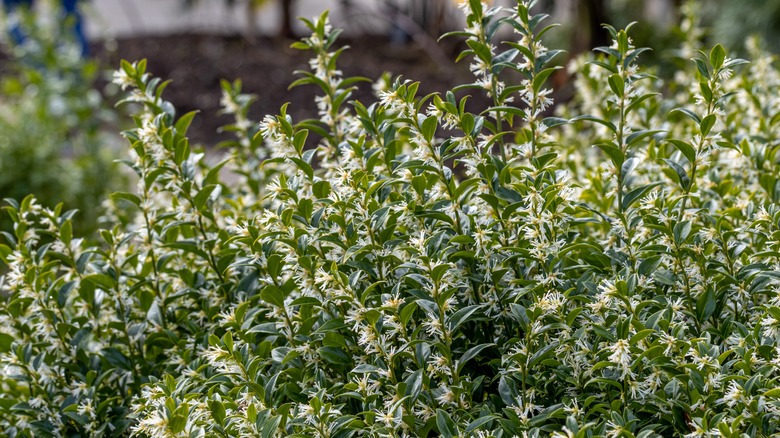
415	266
53	141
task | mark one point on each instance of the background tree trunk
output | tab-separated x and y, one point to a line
286	31
250	33
596	11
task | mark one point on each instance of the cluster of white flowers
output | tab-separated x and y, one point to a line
420	270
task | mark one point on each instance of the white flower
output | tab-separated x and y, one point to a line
563	433
121	78
621	355
733	395
446	396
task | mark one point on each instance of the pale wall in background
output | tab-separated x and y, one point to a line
121	18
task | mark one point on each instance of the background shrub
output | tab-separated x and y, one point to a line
418	267
53	140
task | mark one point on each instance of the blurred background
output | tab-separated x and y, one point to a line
58	124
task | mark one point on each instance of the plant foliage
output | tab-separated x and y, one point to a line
52	124
415	266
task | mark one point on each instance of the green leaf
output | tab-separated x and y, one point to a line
772	393
506	56
681	231
622	40
613	152
217	411
628	167
6	341
420	184
665	277
685	148
304	166
437	273
183	124
299	140
335	356
706	91
706	124
64	292
188	246
102	281
701	65
129	197
554	121
321	189
717	56
479	422
617	85
639	135
543	353
507	390
640	335
275	265
503	59
463	315
636	194
480	49
66	232
414	384
705	305
611	126
271	294
471	353
5	251
735	62
649	265
227	340
688	113
203	196
632	55
609	67
601	365
476	7
541	78
182	151
447	428
637	101
428	127
366	368
463	240
466	186
682	175
177	422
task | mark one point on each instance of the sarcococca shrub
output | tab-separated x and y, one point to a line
418	266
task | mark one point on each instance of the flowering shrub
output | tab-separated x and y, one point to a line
418	267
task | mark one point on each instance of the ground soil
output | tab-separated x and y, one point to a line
196	63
